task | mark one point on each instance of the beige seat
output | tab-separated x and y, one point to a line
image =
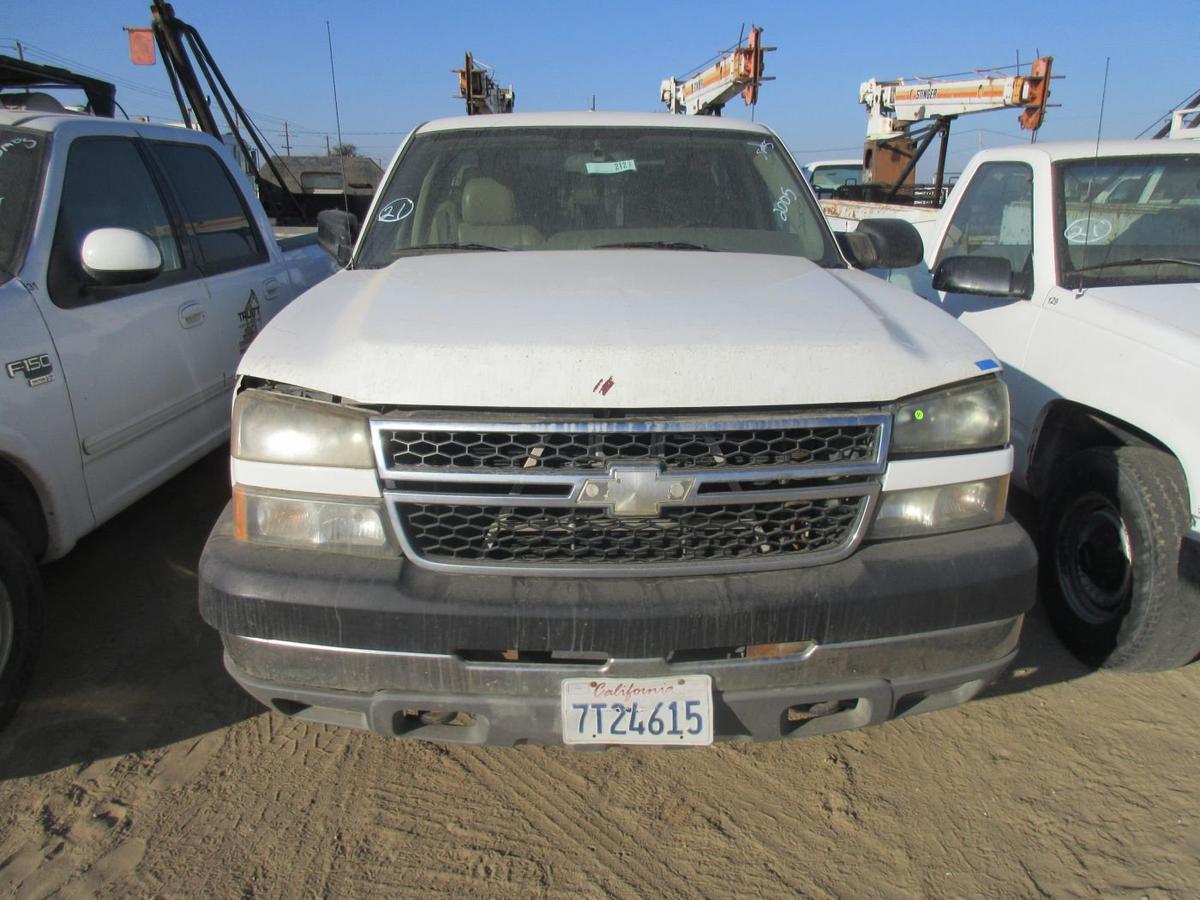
487	214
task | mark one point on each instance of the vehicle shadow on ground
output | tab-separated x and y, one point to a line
1042	659
128	665
126	662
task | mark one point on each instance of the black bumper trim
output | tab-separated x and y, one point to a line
749	715
883	590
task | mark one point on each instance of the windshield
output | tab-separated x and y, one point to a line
827	179
1128	220
582	188
21	154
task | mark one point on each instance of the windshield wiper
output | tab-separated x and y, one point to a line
656	245
1137	261
451	245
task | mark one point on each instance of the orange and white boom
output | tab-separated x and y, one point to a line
705	93
892	106
478	87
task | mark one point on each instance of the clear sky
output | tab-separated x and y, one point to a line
393	59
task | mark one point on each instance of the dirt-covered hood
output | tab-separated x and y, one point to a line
649	329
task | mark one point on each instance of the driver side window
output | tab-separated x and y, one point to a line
107	185
995	218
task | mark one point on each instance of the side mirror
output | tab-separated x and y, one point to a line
987	275
337	230
116	256
883	244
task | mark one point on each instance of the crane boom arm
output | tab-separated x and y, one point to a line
706	92
892	106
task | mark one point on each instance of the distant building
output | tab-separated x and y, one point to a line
323	174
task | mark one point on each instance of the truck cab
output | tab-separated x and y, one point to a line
1079	265
825	176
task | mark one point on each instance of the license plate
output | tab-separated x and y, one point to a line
675	711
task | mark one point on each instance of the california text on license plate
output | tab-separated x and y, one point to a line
672	710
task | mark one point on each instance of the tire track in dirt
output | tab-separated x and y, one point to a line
620	872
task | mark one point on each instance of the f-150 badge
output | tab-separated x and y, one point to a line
37	369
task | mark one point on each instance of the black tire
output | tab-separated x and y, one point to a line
20	618
1111	531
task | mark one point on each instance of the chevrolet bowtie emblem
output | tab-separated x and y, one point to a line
635	490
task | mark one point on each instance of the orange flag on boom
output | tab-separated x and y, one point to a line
141	46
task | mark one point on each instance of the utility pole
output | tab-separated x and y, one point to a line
287	139
20	51
328	152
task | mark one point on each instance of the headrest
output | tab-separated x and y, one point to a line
486	202
34	101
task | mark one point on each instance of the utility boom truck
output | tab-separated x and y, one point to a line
904	118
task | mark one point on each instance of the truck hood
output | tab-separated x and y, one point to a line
1163	316
608	329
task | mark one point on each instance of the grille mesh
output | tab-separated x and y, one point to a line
589	451
456	533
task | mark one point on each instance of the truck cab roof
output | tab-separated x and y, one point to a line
588	118
1060	150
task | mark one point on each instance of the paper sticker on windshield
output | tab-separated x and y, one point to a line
396	210
612	168
1085	231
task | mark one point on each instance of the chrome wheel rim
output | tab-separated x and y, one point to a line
1094	560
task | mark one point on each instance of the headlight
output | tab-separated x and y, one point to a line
946	507
971	416
340	526
276	428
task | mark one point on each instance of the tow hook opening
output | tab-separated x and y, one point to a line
799	715
408	719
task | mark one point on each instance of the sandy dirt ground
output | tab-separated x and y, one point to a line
136	767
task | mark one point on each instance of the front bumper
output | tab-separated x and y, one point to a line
822	689
899	627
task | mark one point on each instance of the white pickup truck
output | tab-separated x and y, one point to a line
136	266
1079	265
599	439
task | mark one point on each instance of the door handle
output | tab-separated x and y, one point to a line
271	289
192	314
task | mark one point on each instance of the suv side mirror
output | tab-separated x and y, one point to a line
116	256
883	244
337	230
988	275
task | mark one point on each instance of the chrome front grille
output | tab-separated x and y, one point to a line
687	448
546	534
630	496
